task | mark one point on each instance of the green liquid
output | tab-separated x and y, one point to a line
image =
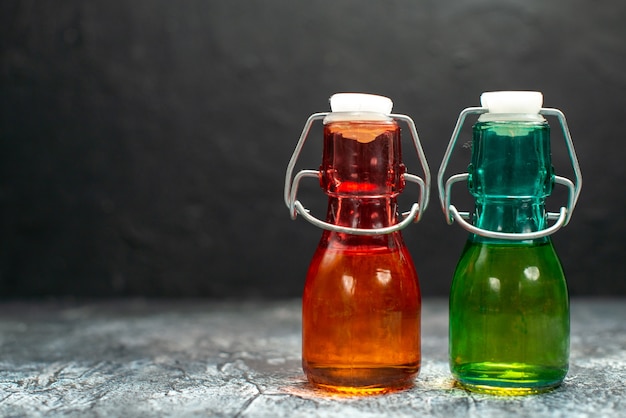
509	318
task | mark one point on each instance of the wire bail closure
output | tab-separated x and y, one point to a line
297	208
562	217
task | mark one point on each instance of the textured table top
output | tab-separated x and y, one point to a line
242	359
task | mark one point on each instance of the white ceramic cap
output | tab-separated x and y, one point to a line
511	106
520	102
360	102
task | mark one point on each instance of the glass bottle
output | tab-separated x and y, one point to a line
509	307
361	303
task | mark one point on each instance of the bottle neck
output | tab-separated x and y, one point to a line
362	174
510	176
362	159
510	215
363	213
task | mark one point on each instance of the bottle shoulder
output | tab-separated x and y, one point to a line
361	270
532	250
518	266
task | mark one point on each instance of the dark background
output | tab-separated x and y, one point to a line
143	144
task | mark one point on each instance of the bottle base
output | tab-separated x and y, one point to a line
362	380
507	379
504	391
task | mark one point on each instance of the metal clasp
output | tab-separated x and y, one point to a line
296	207
562	217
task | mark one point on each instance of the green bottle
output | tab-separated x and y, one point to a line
509	307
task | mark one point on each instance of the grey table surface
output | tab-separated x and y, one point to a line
242	359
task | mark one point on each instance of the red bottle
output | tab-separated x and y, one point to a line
361	304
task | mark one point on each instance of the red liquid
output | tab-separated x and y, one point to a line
361	303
